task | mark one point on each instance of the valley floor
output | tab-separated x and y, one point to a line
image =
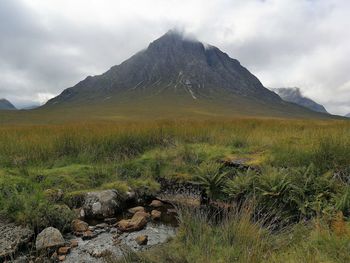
286	182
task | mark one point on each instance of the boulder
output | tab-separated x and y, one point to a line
141	240
136	209
101	204
79	225
155	214
50	237
156	204
137	222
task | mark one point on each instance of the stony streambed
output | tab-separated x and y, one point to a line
109	241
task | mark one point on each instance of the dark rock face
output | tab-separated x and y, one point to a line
294	95
172	64
6	105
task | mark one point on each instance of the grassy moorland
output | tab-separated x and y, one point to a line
295	209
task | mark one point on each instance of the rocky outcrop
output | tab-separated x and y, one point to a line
50	237
12	238
137	222
101	204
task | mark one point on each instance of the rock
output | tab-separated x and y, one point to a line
137	222
101	204
12	237
48	238
62	258
101	226
54	256
63	250
136	209
130	196
142	240
155	214
110	221
171	211
87	235
74	243
156	204
79	225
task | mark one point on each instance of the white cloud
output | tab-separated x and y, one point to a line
47	46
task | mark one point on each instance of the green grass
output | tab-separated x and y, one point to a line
304	168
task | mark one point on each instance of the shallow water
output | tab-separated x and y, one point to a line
93	250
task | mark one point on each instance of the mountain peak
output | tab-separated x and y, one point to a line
6	105
176	69
295	95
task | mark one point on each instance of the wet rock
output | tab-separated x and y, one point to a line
54	256
137	222
87	235
136	209
101	226
74	243
171	211
79	225
63	250
12	237
110	221
48	238
141	240
101	204
156	204
155	214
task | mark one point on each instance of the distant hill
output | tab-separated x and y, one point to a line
6	105
294	95
347	115
175	77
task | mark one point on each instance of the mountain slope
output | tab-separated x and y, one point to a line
175	77
6	105
347	115
294	95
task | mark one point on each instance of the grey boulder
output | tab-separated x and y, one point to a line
101	204
50	237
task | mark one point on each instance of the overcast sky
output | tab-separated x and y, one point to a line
49	45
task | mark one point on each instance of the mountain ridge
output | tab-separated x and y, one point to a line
6	105
294	95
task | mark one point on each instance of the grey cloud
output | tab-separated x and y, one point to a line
285	43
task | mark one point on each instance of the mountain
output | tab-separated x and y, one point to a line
347	115
178	77
294	95
6	105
